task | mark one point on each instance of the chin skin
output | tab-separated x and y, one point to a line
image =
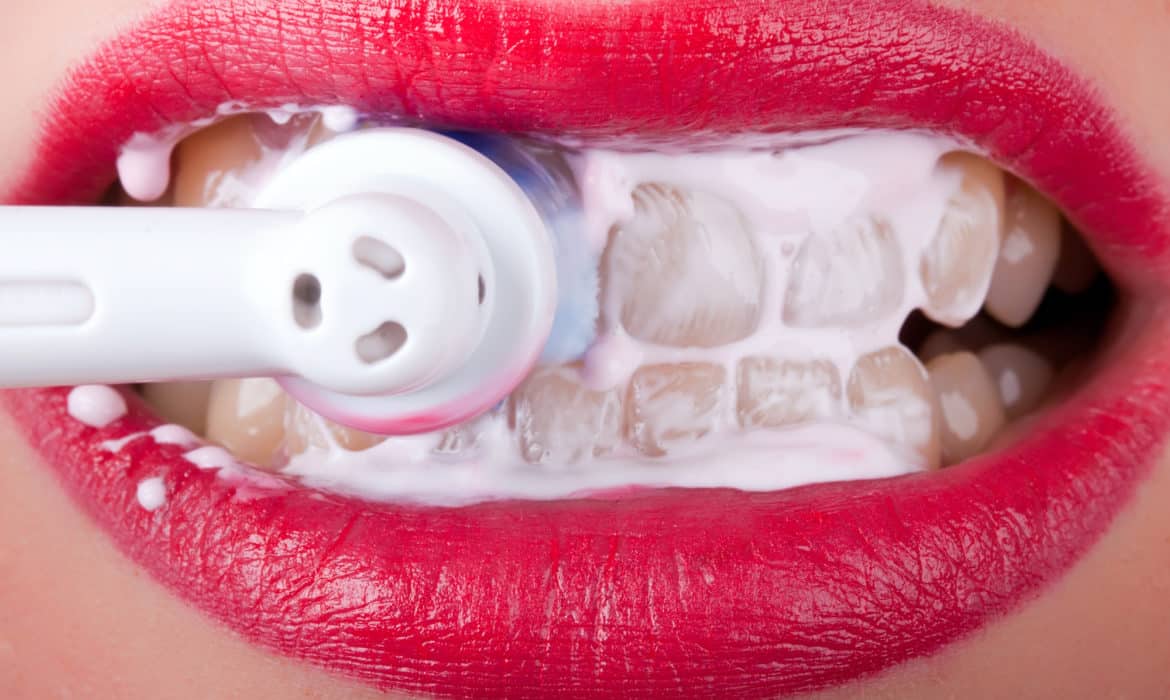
77	619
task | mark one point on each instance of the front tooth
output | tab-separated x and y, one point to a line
890	396
970	410
305	429
557	421
774	393
184	403
207	161
684	271
669	406
247	417
214	166
1027	258
846	276
1076	268
1021	375
956	267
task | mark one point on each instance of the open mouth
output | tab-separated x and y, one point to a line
661	589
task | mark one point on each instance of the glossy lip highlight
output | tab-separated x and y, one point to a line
673	592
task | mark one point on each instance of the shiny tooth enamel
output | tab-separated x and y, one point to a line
684	270
558	421
1021	375
956	267
970	410
890	395
772	392
671	406
847	276
246	416
184	403
304	429
1027	257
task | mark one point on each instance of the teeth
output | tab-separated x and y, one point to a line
1076	268
970	409
208	157
668	406
684	271
558	421
1027	258
891	397
212	164
774	393
973	335
305	429
957	265
845	277
1021	376
246	416
184	403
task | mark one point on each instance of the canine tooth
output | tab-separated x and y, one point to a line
1027	257
246	416
1076	268
970	409
305	429
684	271
890	395
668	406
846	276
1022	376
184	403
774	393
956	267
557	421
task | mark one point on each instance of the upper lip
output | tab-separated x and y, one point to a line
684	592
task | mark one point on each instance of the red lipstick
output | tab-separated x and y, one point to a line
665	593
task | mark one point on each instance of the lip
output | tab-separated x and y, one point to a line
672	592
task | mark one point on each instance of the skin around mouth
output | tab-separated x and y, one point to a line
1118	436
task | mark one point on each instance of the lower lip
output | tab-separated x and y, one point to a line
661	590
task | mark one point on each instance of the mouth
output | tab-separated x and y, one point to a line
661	590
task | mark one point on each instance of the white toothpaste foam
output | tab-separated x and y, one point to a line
96	405
152	493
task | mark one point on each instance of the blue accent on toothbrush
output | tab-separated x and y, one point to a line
553	191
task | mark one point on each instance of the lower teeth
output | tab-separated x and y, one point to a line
723	330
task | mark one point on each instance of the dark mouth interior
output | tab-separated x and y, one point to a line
1064	331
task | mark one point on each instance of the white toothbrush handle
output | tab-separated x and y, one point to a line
104	295
116	295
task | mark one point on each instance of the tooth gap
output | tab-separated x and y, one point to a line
379	257
306	301
381	343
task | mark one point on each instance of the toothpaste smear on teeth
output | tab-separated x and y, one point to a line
785	198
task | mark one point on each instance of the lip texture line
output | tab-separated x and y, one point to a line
697	593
